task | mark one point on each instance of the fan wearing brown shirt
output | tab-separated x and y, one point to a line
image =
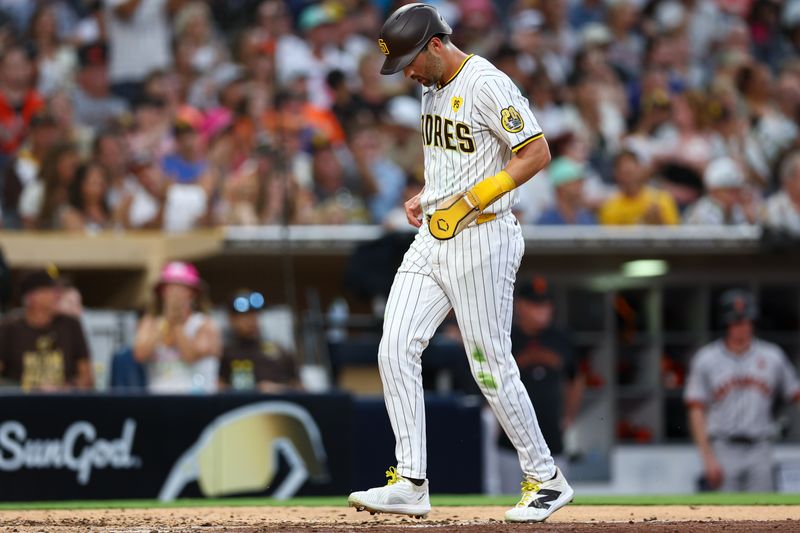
248	362
42	350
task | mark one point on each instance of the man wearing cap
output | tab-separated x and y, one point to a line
42	350
566	177
92	100
730	390
248	362
727	201
549	367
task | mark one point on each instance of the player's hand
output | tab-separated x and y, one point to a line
414	211
453	215
713	472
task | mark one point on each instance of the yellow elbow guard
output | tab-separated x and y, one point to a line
490	189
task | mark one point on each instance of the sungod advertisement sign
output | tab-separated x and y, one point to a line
100	447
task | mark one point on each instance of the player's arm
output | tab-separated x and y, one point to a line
414	209
697	426
455	213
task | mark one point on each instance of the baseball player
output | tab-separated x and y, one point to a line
730	390
481	141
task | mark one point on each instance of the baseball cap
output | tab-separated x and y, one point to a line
43	278
404	111
316	15
179	273
595	34
535	289
723	173
246	301
527	20
93	54
564	170
736	305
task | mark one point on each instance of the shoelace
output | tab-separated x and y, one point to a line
529	490
392	476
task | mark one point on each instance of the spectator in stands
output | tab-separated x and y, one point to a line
550	370
88	204
92	101
19	100
727	200
782	210
134	56
41	349
193	25
42	201
636	202
249	362
23	169
55	60
338	201
110	149
187	163
153	127
382	181
566	177
177	340
142	202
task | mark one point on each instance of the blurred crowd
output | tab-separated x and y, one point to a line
183	114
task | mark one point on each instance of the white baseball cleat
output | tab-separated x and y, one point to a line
540	499
398	496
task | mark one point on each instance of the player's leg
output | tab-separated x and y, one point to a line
758	468
415	308
730	458
480	283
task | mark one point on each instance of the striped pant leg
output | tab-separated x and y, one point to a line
479	278
416	307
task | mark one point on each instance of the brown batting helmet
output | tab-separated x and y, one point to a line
406	32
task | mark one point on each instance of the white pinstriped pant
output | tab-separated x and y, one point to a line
472	273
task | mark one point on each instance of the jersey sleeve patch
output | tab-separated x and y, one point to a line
511	120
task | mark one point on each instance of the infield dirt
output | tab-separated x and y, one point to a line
576	518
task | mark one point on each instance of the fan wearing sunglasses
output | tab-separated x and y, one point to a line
249	362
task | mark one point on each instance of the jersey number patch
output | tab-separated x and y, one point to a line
511	120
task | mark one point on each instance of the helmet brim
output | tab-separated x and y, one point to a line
392	65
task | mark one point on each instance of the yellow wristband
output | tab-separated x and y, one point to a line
484	193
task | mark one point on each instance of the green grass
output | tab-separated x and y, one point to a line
436	500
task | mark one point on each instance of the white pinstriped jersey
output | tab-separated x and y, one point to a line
470	127
738	390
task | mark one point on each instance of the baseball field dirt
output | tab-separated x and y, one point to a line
576	518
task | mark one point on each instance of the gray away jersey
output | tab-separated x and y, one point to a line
737	390
471	125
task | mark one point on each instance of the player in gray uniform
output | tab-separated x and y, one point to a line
481	141
729	393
